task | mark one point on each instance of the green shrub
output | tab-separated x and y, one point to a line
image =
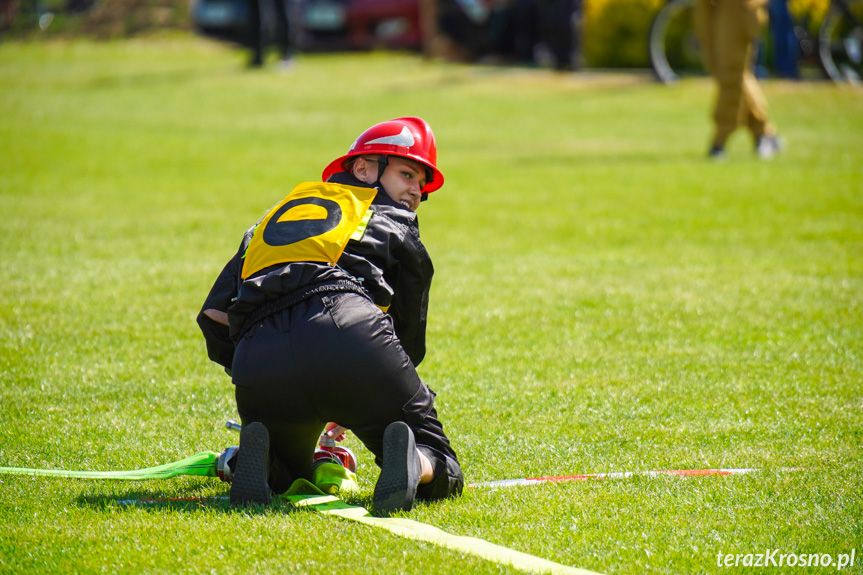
810	13
127	18
615	32
105	19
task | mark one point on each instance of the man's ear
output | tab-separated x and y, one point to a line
365	171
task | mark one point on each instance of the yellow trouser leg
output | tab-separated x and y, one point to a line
727	30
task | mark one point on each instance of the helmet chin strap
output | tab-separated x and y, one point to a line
383	162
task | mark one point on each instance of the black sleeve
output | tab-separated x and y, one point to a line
411	278
367	259
220	347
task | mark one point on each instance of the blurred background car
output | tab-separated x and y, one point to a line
318	25
529	32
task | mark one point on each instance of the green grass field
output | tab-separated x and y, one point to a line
605	300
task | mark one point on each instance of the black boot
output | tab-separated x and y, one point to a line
249	483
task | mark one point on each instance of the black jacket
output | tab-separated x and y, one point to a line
389	261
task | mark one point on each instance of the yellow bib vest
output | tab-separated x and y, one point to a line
312	224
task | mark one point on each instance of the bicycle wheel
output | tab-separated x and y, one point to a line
673	47
840	42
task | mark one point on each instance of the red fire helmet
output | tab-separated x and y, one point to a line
410	138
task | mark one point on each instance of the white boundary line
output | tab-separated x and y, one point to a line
521	481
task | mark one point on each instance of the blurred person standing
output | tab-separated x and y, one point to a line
558	30
257	36
8	13
727	31
786	47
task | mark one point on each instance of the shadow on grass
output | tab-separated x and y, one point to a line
151	79
612	158
193	500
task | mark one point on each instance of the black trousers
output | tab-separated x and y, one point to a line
335	357
259	30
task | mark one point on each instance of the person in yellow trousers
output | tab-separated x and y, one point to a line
727	30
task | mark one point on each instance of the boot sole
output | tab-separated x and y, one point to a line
249	485
400	474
